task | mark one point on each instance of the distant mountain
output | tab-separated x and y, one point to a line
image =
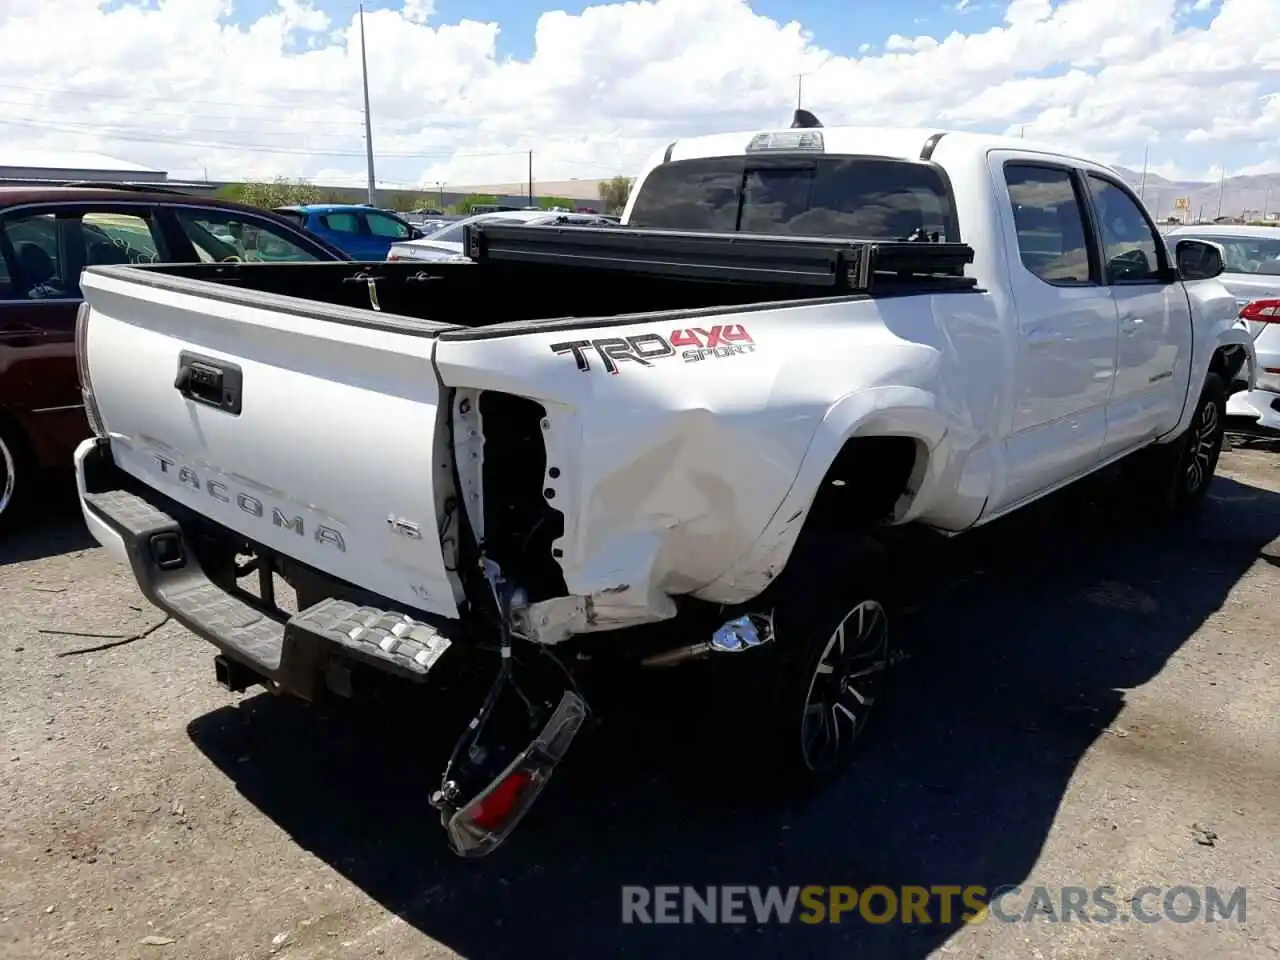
1249	198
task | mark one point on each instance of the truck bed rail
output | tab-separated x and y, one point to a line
840	265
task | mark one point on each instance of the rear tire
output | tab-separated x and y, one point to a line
1179	473
810	696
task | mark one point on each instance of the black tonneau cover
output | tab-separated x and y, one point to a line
839	265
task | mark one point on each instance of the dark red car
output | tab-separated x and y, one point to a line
48	234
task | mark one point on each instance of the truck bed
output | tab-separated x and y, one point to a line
564	276
343	416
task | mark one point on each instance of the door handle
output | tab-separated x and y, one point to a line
1130	323
214	383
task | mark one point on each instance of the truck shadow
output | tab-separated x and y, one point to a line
52	526
1022	639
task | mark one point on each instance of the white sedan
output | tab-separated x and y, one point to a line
446	243
1252	258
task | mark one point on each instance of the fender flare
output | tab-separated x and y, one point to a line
881	411
1224	332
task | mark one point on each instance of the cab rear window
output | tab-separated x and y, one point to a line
861	197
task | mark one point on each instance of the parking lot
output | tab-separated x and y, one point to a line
1084	702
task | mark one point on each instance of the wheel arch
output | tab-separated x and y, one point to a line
897	430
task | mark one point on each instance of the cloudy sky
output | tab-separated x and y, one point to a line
461	89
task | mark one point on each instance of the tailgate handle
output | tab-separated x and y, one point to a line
214	383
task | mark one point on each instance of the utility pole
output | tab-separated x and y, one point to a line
368	119
531	178
799	89
1222	179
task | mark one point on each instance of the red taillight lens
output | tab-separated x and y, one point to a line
496	806
1262	311
484	823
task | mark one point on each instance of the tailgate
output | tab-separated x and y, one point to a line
313	433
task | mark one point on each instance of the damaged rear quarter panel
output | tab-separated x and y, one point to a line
668	469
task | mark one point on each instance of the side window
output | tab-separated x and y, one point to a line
119	238
341	222
381	225
1132	246
37	260
224	236
1049	222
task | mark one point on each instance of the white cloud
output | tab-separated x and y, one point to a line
176	84
419	11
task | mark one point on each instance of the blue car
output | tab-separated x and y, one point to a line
363	232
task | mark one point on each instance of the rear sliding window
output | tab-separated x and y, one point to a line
861	197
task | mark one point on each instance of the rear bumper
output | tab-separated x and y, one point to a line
293	653
1262	407
88	459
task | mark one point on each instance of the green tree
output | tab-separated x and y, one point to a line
265	194
614	193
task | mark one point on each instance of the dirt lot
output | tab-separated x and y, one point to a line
1084	703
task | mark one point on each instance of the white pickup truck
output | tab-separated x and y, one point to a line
502	467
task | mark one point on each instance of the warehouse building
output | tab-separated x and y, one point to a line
44	166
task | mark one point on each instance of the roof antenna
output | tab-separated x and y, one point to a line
804	119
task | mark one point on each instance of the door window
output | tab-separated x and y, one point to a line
33	238
227	237
119	238
50	249
341	222
1049	221
380	225
1133	247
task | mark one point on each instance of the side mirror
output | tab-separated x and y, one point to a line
1198	259
416	234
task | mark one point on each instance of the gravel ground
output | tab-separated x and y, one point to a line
1083	703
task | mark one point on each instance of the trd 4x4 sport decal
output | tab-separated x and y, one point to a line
728	340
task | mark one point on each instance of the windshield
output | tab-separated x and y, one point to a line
453	232
863	197
1246	254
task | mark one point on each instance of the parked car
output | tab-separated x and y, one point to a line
47	235
1252	259
430	225
799	346
364	232
447	241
